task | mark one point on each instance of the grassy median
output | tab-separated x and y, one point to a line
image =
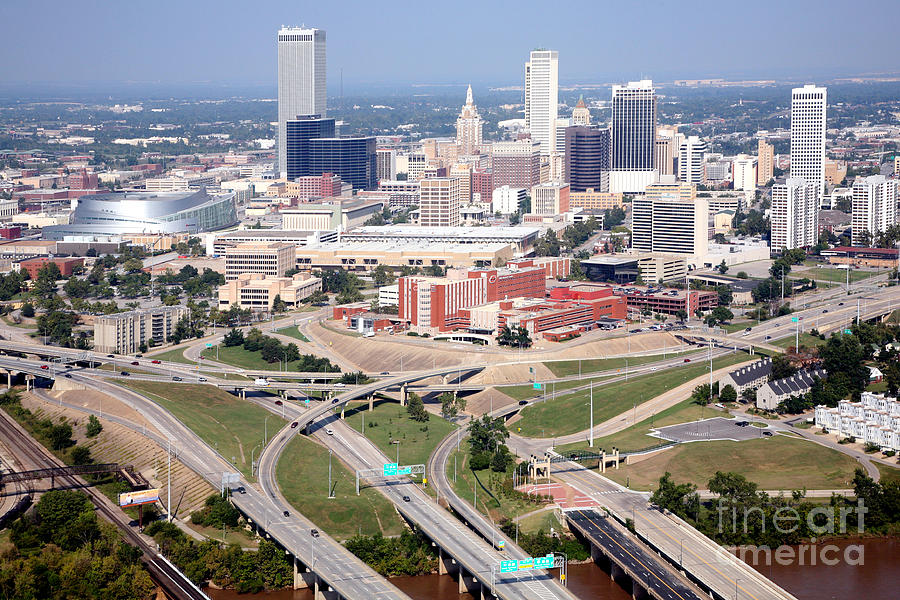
574	367
302	474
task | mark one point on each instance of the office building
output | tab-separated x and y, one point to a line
507	200
397	253
299	130
808	107
581	115
668	141
415	166
835	172
670	219
542	97
690	160
765	163
550	199
353	158
591	199
744	173
794	214
66	265
136	330
256	291
386	164
273	259
469	128
326	185
439	202
396	194
521	239
333	214
587	158
633	137
463	172
874	208
482	186
560	135
516	164
301	80
716	172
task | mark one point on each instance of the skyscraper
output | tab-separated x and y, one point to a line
765	163
633	137
516	164
581	115
874	207
690	160
542	97
312	149
469	127
439	202
808	106
301	80
298	130
587	158
670	218
794	214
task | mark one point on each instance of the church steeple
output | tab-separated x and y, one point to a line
469	99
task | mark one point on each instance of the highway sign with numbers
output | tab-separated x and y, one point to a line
509	566
389	469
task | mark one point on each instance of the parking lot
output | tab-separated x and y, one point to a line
717	428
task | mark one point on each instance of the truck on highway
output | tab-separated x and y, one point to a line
261	381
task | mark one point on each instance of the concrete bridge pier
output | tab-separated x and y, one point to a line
343	406
403	397
302	576
469	584
447	565
371	402
639	592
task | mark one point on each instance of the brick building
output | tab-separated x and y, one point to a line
66	265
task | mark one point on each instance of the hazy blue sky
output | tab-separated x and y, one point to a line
433	42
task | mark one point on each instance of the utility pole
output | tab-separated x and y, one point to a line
169	477
591	443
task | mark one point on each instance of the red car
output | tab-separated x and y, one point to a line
294	424
687	360
135	363
45	367
278	403
156	362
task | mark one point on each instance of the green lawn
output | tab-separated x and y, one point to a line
389	421
527	391
232	426
302	474
174	355
636	437
835	275
293	332
775	463
805	340
238	357
571	367
888	474
569	413
737	326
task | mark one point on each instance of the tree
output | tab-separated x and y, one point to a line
681	314
94	427
547	245
728	394
502	459
487	434
719	314
781	367
722	268
679	498
383	275
451	404
416	408
235	337
701	394
725	294
844	354
28	310
278	305
732	486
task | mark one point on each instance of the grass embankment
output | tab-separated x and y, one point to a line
228	424
549	388
805	340
888	474
389	422
569	414
491	500
293	332
571	367
302	474
636	437
173	355
834	275
774	463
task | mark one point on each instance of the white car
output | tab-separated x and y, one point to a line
338	384
329	431
719	405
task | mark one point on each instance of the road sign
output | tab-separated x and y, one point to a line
209	344
526	564
306	401
139	497
544	562
847	331
537	385
389	469
501	544
404	470
509	566
794	319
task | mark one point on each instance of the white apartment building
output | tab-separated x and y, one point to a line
874	207
633	137
670	219
744	173
808	107
542	97
125	333
301	80
690	159
389	295
875	418
794	214
268	259
439	202
507	200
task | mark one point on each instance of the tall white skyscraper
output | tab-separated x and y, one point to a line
633	137
874	207
794	214
690	160
469	127
808	105
301	80
542	97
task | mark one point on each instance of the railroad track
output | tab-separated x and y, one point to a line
174	583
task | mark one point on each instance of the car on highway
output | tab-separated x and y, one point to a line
824	311
286	513
767	433
156	362
385	373
139	356
110	356
202	379
67	376
335	401
314	532
654	368
768	337
44	367
279	403
241	490
749	329
840	303
339	384
135	363
329	431
124	373
294	425
406	498
176	378
687	360
523	402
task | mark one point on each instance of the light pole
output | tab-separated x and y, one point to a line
252	453
398	449
591	441
736	587
330	492
266	430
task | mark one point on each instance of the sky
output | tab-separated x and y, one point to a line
486	42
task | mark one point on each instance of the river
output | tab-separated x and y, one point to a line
876	577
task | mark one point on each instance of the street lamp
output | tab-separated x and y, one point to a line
330	491
266	430
398	449
736	587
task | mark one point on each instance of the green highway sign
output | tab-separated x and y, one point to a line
537	385
544	562
526	564
404	471
794	319
501	544
509	566
847	331
389	469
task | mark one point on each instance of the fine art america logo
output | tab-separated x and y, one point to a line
826	521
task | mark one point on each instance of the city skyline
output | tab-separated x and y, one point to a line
197	48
